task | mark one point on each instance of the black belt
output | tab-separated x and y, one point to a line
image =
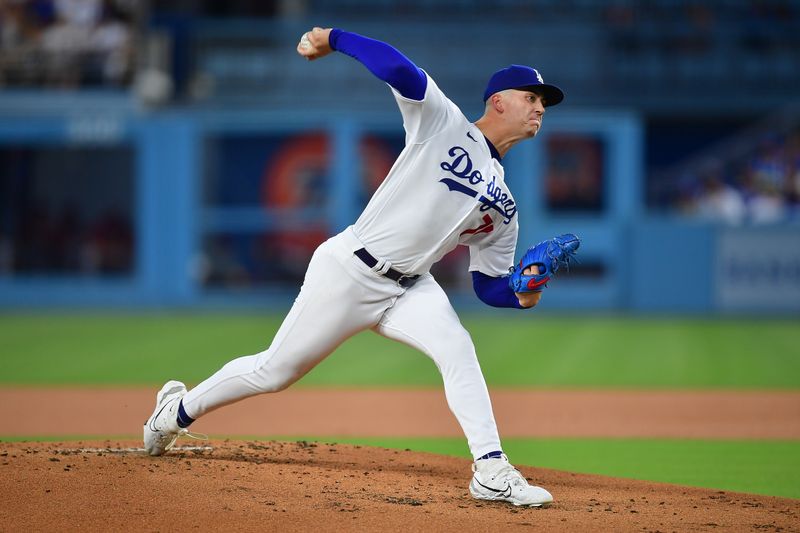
402	279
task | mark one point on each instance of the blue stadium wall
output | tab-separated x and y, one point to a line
644	262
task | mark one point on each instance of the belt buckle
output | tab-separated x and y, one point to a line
407	281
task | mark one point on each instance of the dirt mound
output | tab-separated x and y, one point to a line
301	486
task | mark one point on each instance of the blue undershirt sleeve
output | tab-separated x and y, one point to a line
494	291
384	61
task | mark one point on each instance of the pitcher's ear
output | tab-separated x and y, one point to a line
497	102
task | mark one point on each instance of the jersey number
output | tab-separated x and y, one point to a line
486	227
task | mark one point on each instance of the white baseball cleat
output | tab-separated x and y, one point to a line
161	430
498	480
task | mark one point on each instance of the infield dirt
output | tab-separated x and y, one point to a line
106	412
301	486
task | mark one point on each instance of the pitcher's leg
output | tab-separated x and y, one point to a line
424	319
330	308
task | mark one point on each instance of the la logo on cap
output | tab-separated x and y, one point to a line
538	76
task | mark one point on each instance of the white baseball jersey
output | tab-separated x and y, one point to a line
445	189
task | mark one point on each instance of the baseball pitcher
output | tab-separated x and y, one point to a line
447	188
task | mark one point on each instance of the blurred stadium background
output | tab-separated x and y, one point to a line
174	153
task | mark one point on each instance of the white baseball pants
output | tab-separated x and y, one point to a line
340	297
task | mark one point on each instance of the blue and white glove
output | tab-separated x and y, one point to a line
549	256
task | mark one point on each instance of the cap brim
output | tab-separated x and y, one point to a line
552	94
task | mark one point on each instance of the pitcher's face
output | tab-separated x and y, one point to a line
526	109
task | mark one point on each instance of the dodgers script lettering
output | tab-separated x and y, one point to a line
494	197
461	166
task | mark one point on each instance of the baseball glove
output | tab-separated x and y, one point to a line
548	255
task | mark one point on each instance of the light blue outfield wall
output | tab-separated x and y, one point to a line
672	265
661	265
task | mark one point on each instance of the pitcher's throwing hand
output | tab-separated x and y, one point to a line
314	44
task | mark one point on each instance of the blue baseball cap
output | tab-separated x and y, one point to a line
523	78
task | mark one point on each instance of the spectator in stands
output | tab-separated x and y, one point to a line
765	185
111	42
764	202
21	23
719	201
66	43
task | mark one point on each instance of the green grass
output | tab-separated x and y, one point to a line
758	467
577	351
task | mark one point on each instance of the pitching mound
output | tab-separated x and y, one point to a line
279	486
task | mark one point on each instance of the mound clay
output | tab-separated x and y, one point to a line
301	486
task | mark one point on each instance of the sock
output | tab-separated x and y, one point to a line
184	420
491	455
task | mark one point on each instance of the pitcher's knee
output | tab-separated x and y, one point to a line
268	380
455	351
271	383
270	386
462	343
